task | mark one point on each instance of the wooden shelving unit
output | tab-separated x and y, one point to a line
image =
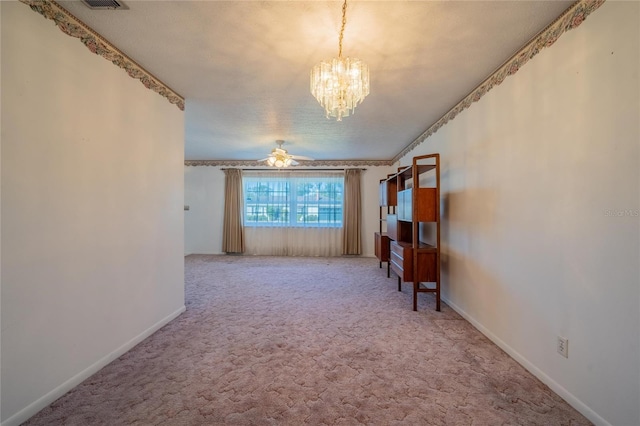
417	217
387	205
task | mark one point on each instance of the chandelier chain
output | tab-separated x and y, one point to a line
344	23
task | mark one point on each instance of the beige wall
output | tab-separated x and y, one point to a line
540	214
92	220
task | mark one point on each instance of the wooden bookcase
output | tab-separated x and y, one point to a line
387	205
414	228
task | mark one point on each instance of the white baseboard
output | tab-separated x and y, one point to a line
33	408
557	388
205	253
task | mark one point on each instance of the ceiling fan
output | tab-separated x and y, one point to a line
280	158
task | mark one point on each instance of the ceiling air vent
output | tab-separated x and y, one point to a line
105	4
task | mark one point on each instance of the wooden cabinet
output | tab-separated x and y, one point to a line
382	249
414	252
424	208
402	262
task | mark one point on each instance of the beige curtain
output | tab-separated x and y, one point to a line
352	213
293	241
233	232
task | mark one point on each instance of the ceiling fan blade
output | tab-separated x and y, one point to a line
301	157
262	159
294	162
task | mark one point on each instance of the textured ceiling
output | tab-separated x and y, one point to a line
243	66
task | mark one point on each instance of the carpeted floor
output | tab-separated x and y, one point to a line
292	341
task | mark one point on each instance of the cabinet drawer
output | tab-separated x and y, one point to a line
402	249
401	261
397	258
396	264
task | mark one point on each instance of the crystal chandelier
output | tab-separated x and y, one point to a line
340	84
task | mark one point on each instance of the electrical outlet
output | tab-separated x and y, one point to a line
563	346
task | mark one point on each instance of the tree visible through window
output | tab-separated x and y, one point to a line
279	199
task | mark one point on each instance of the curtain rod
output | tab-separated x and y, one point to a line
292	170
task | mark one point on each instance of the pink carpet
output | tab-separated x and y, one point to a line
292	341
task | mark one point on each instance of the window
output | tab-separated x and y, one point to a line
293	199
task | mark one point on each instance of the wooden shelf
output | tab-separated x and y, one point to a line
388	192
421	246
388	196
411	259
409	171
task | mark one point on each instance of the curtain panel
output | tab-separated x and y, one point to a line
233	232
293	241
352	213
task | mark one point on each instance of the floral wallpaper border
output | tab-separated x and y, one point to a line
314	163
570	19
72	26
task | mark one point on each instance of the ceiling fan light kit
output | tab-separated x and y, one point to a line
340	84
280	158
